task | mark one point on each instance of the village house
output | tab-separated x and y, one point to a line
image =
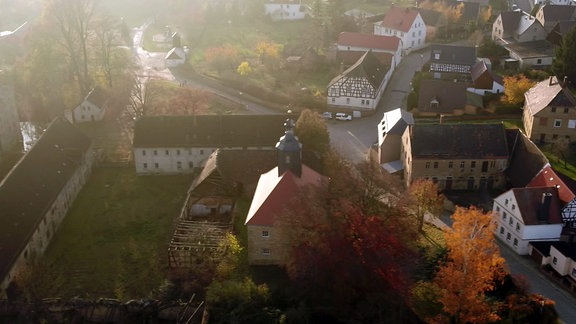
485	81
438	97
10	136
516	27
456	156
390	130
357	44
557	33
177	55
549	112
360	87
267	245
524	215
537	54
405	23
179	144
451	62
286	10
550	14
434	20
92	108
36	194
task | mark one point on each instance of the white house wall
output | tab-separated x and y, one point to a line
87	112
285	11
170	160
559	262
512	230
412	40
496	88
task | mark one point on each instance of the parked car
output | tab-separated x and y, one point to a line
343	116
326	115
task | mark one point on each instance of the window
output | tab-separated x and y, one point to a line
333	100
167	152
435	165
506	202
462	164
518	226
143	152
427	165
155	152
557	122
367	102
555	260
348	100
504	216
178	152
566	110
473	164
511	221
265	234
265	251
156	165
145	166
450	164
501	229
498	208
363	101
539	61
515	242
508	236
201	152
553	109
179	165
190	165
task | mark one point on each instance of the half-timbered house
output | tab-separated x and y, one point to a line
361	86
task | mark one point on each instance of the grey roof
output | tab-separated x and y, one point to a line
526	159
430	17
368	67
453	54
510	21
32	186
558	12
546	93
450	95
209	130
458	141
533	49
97	97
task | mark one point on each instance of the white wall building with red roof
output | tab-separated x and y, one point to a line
405	23
359	42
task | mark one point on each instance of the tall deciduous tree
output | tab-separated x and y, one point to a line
424	197
473	267
563	64
312	132
515	87
72	19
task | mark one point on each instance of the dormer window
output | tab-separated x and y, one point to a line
434	104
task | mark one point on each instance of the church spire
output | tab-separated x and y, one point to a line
289	151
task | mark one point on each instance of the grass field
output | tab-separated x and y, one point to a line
114	240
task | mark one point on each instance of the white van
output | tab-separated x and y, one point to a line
343	116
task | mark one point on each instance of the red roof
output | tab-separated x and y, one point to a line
376	42
399	18
548	178
273	192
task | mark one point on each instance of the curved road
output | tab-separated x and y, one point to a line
354	138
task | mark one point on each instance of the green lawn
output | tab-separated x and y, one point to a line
114	240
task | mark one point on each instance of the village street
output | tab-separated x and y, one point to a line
353	140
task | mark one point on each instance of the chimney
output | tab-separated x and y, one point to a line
544	208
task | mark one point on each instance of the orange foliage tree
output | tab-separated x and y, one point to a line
473	267
514	88
423	197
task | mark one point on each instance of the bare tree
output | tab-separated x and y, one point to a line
72	20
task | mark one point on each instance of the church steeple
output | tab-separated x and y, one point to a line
289	151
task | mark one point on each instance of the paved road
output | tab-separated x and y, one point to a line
565	302
353	138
